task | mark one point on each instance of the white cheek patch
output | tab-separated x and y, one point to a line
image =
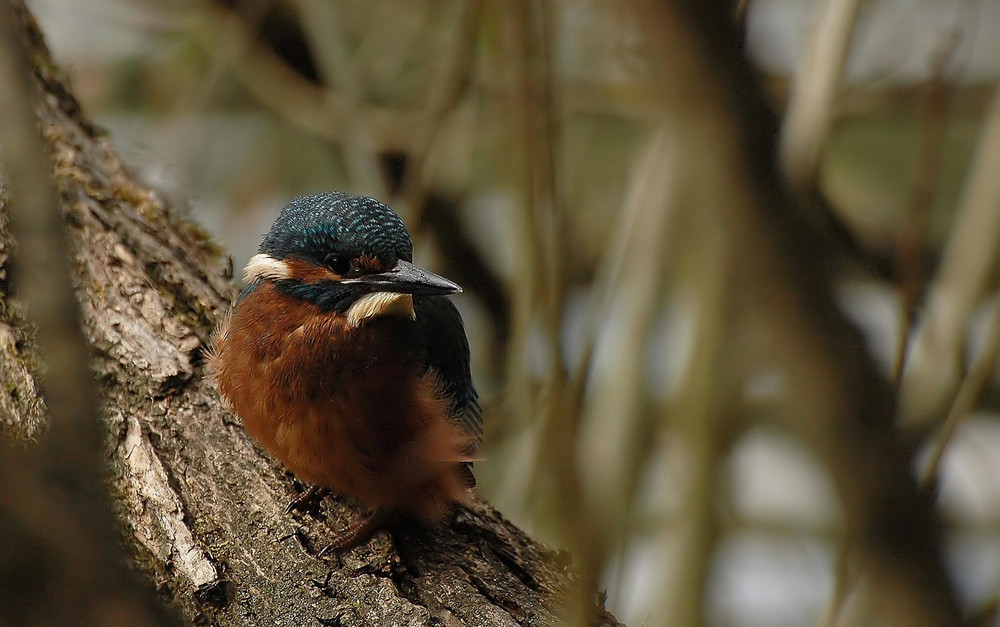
380	304
264	266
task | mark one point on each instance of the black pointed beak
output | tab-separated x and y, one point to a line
407	278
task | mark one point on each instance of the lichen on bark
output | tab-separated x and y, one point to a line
22	410
201	507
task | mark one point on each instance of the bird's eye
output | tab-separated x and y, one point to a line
339	264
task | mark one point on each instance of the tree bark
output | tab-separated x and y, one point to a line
201	507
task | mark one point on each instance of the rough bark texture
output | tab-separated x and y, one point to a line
202	506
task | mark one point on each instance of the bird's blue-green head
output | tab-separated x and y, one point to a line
343	253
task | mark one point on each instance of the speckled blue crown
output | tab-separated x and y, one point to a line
315	225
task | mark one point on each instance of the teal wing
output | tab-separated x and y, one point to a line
447	353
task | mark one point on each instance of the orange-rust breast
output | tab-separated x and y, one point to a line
348	408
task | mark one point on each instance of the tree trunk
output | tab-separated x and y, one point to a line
201	507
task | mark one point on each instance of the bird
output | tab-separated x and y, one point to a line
351	366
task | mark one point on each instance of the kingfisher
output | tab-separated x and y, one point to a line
350	364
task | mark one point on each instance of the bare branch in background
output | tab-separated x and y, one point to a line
911	244
316	109
809	114
615	423
630	300
201	509
539	300
450	87
837	401
326	40
530	254
934	363
967	397
910	265
706	417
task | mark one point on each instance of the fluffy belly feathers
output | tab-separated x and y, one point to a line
348	408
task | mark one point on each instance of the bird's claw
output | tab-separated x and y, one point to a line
354	534
309	500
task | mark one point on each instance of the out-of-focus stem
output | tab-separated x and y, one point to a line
451	85
968	394
810	107
706	396
628	294
934	361
842	407
322	29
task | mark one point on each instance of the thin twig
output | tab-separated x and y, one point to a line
934	360
322	27
521	395
842	406
843	585
968	394
613	417
451	86
315	109
910	249
810	107
911	242
707	402
542	229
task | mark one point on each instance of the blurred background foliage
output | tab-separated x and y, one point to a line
530	149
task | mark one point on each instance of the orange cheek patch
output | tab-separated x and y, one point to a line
370	263
309	273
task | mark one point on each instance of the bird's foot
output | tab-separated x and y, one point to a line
309	500
355	533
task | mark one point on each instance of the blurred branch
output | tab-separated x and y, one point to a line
201	509
911	242
742	6
641	238
529	255
843	584
547	210
838	403
539	299
61	563
542	220
441	215
968	396
910	265
709	398
281	89
47	298
322	27
613	443
810	108
934	362
453	82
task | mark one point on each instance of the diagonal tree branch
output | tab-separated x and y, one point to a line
200	506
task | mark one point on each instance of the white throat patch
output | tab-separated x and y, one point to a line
380	304
264	266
